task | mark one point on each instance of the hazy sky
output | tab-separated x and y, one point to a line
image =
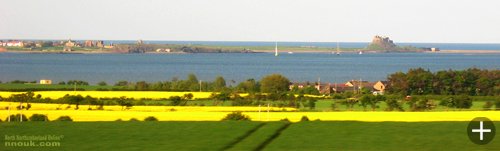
474	21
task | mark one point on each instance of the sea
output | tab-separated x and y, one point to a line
237	67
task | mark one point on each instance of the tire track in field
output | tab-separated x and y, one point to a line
274	136
239	139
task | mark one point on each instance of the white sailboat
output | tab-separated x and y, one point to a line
276	49
360	52
338	49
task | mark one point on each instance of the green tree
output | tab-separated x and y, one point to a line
419	81
393	104
64	118
219	84
73	99
371	100
421	104
487	105
349	103
304	118
125	102
398	83
22	98
460	102
192	83
311	103
188	96
497	104
310	90
365	100
249	86
141	86
17	118
175	100
448	102
221	97
463	102
102	83
150	118
121	83
90	101
236	116
274	83
39	117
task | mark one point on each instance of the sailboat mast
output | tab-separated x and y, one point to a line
338	48
276	49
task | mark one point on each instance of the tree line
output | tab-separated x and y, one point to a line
471	82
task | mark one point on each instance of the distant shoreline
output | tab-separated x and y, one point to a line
469	51
256	51
441	51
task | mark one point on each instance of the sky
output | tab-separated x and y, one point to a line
439	21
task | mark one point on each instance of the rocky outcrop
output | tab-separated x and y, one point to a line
385	44
382	43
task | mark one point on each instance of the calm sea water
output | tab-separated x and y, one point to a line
232	66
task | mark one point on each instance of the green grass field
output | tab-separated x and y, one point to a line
317	135
132	135
378	136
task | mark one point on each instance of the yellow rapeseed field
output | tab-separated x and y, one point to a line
46	106
111	94
175	113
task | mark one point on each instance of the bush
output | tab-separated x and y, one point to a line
421	104
487	105
133	120
17	118
311	103
242	102
150	118
285	120
102	83
393	104
236	116
304	118
175	100
338	96
39	117
64	118
464	102
497	104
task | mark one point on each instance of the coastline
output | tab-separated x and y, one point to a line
469	51
255	51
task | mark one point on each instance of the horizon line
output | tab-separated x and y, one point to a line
37	39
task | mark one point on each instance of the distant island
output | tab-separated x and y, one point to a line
379	44
385	44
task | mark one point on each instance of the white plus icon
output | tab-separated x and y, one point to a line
481	130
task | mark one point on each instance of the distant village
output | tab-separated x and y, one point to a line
99	46
66	45
355	86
